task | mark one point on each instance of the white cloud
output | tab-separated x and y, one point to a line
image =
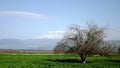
22	14
113	34
51	35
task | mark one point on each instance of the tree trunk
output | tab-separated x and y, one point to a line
83	58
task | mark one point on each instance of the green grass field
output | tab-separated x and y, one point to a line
56	61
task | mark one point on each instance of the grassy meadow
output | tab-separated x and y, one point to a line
56	61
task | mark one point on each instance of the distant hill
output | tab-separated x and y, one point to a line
33	44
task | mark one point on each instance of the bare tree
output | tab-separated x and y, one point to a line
83	42
61	47
107	49
119	50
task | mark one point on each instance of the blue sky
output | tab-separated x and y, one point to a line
28	19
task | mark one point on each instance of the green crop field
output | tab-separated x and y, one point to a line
56	61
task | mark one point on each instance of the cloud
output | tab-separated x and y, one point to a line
22	14
51	35
113	34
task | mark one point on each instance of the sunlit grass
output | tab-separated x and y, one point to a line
56	61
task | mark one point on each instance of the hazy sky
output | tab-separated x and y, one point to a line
28	19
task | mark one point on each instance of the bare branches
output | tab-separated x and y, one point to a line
83	42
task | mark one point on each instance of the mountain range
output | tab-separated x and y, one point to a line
35	44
